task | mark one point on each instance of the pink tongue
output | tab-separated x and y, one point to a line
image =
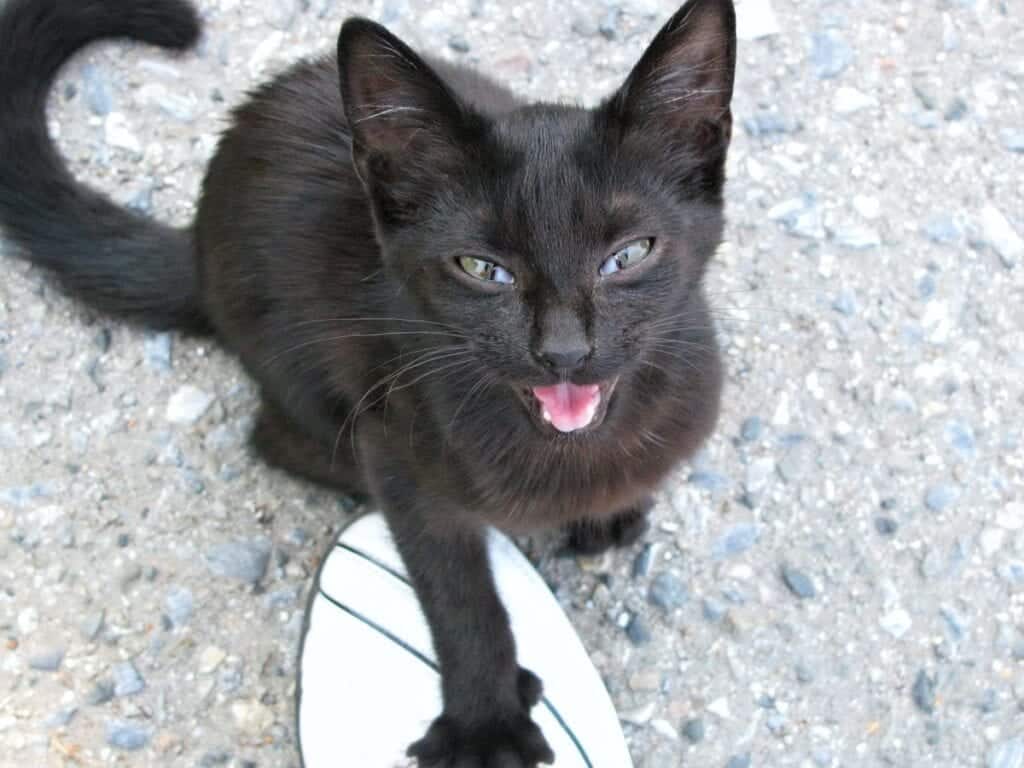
568	406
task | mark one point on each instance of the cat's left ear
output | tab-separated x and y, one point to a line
398	109
682	86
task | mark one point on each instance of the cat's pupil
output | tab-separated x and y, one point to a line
627	257
485	270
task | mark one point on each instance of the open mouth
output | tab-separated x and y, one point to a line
566	407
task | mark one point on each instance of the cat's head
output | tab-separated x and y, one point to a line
563	247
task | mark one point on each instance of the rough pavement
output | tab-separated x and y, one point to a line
838	580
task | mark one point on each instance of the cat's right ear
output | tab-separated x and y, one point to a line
397	106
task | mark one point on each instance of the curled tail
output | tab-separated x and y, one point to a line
110	257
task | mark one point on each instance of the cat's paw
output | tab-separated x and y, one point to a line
592	537
502	741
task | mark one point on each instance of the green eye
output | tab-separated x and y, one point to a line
627	257
485	270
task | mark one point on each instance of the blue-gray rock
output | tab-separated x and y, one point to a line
179	605
804	673
957	110
1012	139
637	631
714	482
961	438
458	43
770	124
96	88
215	757
694	730
989	701
61	718
609	25
20	496
127	680
667	592
777	724
101	693
1012	572
48	661
798	582
941	497
642	561
823	757
127	736
156	348
886	526
956	627
845	303
926	286
923	692
751	428
830	54
242	560
943	229
928	119
713	610
1007	754
739	761
736	540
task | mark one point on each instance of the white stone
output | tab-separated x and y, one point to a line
896	622
210	659
720	708
755	19
868	207
1001	235
188	404
991	541
1012	517
119	135
849	100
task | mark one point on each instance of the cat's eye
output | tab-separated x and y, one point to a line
628	256
484	270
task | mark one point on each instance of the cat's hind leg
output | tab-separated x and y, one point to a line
283	444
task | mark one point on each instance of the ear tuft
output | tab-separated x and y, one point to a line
683	84
393	99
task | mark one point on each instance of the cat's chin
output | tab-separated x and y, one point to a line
543	421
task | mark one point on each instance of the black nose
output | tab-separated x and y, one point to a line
563	359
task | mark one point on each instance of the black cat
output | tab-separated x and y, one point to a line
474	310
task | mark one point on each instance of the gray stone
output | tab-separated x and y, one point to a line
609	24
736	540
101	693
667	592
96	89
1007	754
798	582
961	438
127	680
127	736
830	54
941	497
923	692
739	761
845	303
642	561
459	44
61	718
804	673
801	217
713	610
48	661
928	120
715	482
943	229
1012	139
637	631
886	526
797	461
179	605
242	560
1012	572
956	110
751	429
694	730
764	123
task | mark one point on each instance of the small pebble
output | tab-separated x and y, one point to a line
127	736
188	405
694	730
736	540
939	498
1007	754
799	583
49	661
242	560
179	605
751	429
667	592
1012	139
642	561
739	761
127	680
923	692
637	631
886	526
156	349
830	54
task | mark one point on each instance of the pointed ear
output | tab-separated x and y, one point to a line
395	103
682	86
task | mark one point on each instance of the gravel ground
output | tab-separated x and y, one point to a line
838	580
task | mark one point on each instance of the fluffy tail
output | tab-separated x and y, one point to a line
110	257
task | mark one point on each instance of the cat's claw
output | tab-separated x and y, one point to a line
511	741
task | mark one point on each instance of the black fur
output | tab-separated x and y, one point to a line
324	254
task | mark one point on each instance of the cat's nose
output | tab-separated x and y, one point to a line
563	358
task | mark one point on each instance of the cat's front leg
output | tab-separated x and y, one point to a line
592	537
487	695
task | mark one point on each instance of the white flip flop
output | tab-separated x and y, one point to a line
368	679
